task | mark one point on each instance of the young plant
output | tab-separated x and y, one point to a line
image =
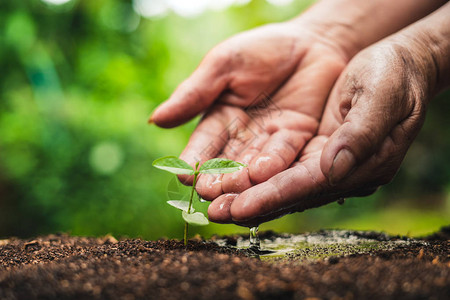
177	166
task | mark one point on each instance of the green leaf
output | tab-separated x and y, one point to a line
182	205
220	166
196	218
173	165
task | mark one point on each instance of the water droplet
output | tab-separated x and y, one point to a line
340	201
263	159
255	243
217	179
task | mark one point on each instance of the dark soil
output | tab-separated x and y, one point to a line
65	267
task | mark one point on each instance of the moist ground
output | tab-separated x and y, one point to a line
65	267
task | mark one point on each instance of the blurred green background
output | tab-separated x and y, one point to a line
78	82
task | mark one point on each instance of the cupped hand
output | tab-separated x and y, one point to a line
263	93
373	114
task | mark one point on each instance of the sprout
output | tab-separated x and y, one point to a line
177	166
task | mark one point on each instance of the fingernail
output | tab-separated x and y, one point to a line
343	164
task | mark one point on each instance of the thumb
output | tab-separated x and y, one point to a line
300	187
195	94
368	119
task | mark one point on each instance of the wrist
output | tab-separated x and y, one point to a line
329	21
335	31
429	43
436	38
353	25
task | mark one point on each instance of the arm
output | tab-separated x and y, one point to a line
358	24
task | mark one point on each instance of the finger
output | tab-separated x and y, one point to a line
269	155
304	186
369	116
219	209
196	93
242	144
298	187
380	168
284	146
211	186
214	141
277	154
290	131
239	181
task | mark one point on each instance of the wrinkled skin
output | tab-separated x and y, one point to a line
295	67
374	112
321	139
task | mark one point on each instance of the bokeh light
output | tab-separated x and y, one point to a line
184	8
280	2
56	2
106	157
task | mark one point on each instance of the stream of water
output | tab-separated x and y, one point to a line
255	243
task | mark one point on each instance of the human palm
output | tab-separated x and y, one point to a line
263	93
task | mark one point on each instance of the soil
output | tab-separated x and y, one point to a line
67	267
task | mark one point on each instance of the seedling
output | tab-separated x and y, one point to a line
178	166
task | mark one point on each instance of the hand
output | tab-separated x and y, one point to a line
295	65
374	113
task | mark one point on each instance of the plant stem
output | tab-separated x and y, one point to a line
186	225
192	193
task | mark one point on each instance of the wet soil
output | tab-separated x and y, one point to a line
66	267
